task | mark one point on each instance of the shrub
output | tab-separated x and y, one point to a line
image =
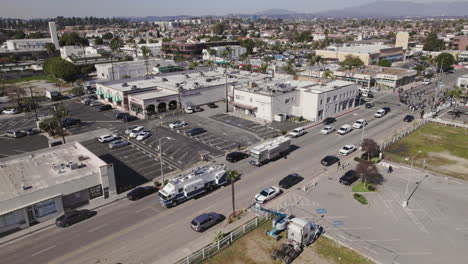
284	132
360	198
371	188
358	159
375	160
157	184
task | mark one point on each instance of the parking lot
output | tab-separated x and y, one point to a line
17	122
15	146
251	126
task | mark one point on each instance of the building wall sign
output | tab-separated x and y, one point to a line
95	192
45	208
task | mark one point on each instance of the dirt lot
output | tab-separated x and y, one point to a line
439	148
256	247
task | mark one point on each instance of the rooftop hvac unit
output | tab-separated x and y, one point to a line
124	84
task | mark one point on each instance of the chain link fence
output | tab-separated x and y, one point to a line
213	248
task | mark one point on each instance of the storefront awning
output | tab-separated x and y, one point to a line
108	95
245	106
99	92
117	98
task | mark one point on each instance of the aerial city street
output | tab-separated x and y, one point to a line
241	132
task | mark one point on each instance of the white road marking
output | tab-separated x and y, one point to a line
42	251
375	252
351	228
142	209
461	228
96	228
408	253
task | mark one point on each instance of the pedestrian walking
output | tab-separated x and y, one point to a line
339	165
390	169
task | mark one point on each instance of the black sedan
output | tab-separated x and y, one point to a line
236	156
121	115
408	118
140	192
290	180
105	108
196	131
70	122
369	105
329	160
349	177
72	217
129	118
329	120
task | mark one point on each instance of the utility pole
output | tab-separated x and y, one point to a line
227	99
33	103
60	124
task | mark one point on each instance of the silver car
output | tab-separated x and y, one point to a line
118	144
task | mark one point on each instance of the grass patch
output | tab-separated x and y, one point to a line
33	78
361	187
360	198
339	254
431	138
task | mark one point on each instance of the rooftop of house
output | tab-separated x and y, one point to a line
37	170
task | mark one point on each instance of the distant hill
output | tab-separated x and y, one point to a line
400	9
271	12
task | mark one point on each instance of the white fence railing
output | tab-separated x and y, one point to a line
448	123
213	248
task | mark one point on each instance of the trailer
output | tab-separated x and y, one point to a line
186	186
270	150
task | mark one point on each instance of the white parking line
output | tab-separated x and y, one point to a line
375	252
42	251
352	228
96	228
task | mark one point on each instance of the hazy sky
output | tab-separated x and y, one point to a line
109	8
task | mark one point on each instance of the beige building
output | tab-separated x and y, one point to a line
369	54
402	40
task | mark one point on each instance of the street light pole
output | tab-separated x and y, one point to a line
161	158
405	203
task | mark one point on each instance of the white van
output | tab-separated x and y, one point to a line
344	129
380	113
360	123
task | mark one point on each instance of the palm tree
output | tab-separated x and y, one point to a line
328	75
146	53
50	48
456	92
232	176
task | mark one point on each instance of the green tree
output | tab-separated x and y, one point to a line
432	43
368	172
99	41
385	63
419	68
19	35
146	53
445	61
218	28
50	48
115	44
351	62
249	44
73	39
328	75
232	176
107	36
370	148
61	68
141	41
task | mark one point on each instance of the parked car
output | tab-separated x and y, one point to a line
297	132
143	135
360	123
236	156
87	101
380	113
140	192
369	105
136	131
130	129
199	109
11	111
387	109
129	118
29	131
72	217
177	124
205	221
107	138
408	118
349	177
329	120
121	115
118	143
327	130
105	107
329	160
212	105
196	131
70	122
347	149
344	129
189	110
290	180
267	194
15	134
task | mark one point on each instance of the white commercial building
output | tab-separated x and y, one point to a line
79	52
40	185
462	81
271	99
34	44
235	53
134	69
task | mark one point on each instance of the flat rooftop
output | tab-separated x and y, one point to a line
44	168
372	48
374	70
152	94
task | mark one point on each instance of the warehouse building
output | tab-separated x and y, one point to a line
369	54
41	185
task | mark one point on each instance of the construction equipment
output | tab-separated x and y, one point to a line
270	150
187	186
279	223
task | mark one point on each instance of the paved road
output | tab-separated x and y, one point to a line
144	232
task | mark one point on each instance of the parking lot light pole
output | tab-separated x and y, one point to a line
161	158
405	203
33	103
